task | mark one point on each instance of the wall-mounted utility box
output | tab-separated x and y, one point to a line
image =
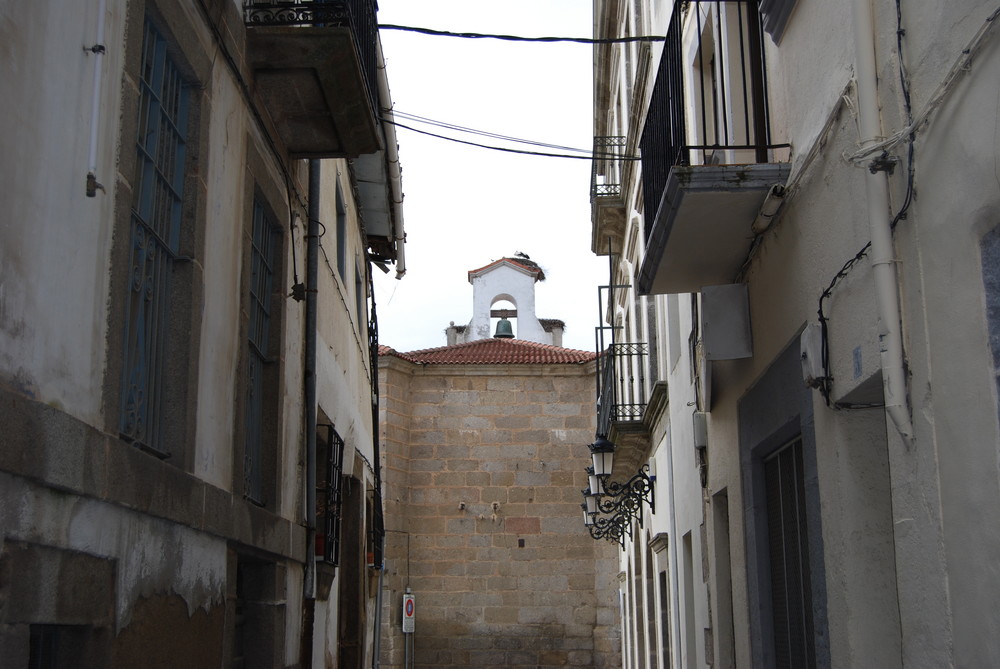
725	322
699	420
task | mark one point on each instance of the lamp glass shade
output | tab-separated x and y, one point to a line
603	463
587	518
595	483
603	453
591	502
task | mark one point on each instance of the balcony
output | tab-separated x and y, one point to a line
708	161
621	402
314	69
621	384
622	391
606	200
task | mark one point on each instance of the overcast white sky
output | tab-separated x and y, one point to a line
465	206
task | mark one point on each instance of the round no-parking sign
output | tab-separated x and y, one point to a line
408	611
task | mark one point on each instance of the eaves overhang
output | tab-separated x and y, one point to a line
702	230
376	201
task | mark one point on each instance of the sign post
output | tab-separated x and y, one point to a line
409	608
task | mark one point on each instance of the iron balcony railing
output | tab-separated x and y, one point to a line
377	528
621	369
358	15
606	168
621	384
712	108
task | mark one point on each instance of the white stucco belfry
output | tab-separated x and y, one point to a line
510	280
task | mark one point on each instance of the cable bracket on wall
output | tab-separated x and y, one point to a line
884	163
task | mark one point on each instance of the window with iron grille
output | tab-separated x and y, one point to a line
55	646
155	239
664	619
791	593
265	241
990	255
360	300
329	493
341	234
44	647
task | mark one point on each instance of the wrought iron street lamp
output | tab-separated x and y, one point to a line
610	507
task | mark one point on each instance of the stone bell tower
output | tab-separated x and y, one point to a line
507	280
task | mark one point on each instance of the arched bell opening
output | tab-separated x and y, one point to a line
503	317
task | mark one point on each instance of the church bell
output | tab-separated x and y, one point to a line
504	330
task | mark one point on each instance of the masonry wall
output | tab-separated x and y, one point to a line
484	468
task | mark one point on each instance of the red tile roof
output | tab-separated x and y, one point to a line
493	352
529	266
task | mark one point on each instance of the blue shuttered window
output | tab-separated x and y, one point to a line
262	264
155	240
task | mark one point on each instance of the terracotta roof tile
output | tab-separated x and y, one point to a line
529	266
494	352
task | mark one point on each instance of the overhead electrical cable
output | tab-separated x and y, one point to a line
588	156
486	133
962	65
516	38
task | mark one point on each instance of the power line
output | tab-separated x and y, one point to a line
591	156
516	38
485	133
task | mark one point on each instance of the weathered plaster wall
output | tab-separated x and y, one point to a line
152	556
226	239
54	241
953	468
343	382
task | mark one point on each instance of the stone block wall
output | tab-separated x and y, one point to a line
484	468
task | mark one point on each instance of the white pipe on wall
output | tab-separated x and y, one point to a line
882	252
98	50
392	161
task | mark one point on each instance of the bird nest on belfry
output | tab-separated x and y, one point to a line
526	260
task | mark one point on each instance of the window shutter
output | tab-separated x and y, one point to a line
775	15
791	597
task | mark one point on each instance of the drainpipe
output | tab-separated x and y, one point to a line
312	265
392	162
675	586
882	252
377	651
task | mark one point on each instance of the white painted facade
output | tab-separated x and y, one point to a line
902	538
175	528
